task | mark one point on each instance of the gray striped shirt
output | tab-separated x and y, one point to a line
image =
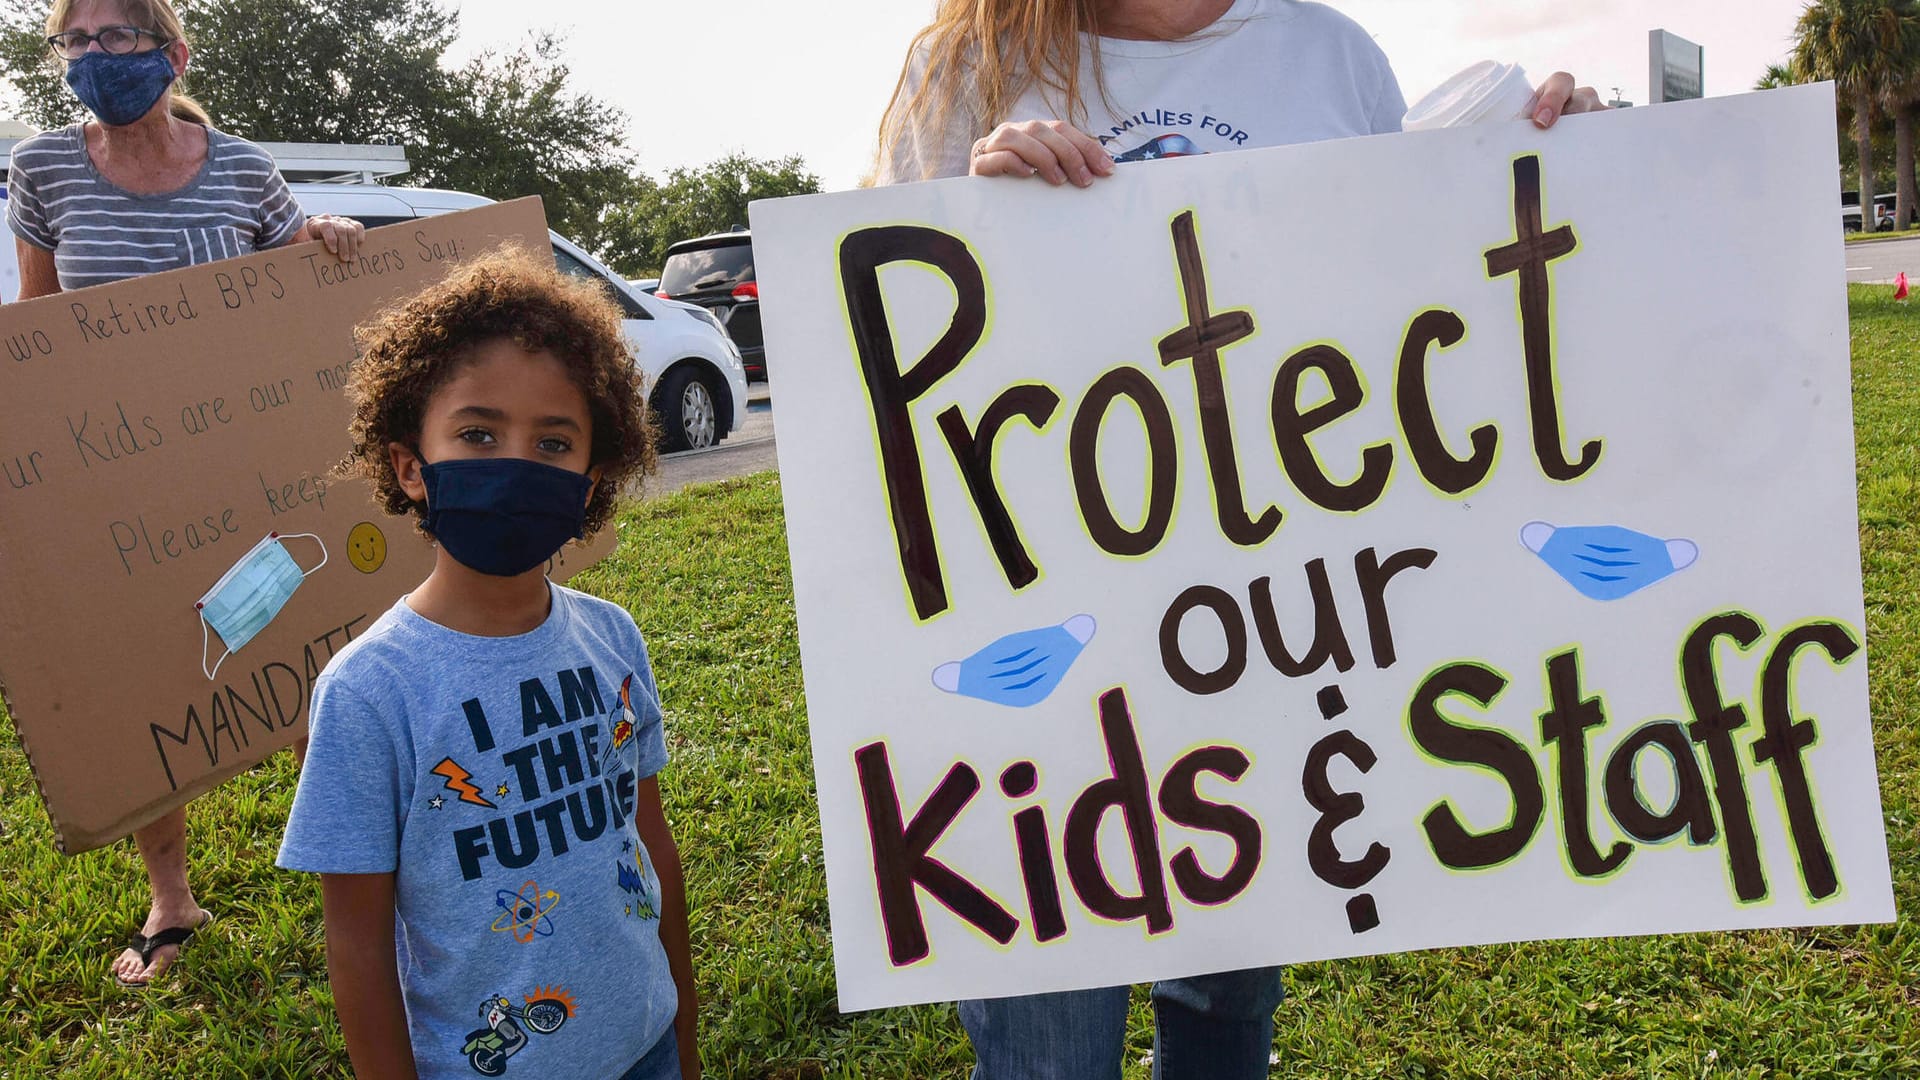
98	233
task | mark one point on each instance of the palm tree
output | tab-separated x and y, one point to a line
1866	47
1903	100
1776	76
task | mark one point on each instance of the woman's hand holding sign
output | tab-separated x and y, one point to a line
1054	150
341	234
1559	96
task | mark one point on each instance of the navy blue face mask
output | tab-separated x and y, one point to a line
120	89
504	516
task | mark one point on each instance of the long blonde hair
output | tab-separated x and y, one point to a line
981	55
156	16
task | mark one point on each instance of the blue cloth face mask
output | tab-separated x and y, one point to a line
1607	562
1020	669
120	89
250	594
504	516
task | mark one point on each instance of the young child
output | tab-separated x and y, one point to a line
479	797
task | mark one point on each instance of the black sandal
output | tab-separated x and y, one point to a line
146	946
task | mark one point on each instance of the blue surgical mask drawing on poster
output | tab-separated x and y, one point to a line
250	594
1020	669
1607	562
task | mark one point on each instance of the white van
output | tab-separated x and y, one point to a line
694	377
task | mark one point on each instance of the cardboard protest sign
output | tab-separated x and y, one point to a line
1377	545
154	432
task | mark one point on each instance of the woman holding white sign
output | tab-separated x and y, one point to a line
149	185
1064	90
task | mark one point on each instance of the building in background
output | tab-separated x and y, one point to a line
1675	68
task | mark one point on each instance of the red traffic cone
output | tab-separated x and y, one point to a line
1900	286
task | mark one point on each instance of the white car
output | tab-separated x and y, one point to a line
694	377
1850	219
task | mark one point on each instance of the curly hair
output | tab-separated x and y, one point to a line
412	348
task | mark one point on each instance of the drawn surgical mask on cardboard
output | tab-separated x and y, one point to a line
250	594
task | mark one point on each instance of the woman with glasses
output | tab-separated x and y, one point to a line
1063	90
147	185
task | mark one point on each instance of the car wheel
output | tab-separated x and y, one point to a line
689	410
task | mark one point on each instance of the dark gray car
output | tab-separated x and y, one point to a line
716	272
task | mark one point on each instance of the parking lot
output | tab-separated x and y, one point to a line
748	450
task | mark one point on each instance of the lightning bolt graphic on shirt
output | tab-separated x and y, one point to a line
458	782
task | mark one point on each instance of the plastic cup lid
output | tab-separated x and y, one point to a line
1483	91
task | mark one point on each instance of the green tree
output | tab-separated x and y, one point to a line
695	202
517	130
278	70
1902	100
30	69
1776	76
1866	47
362	71
504	124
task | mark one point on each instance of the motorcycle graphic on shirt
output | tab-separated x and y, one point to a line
488	1048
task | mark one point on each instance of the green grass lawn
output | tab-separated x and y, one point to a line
705	574
1869	237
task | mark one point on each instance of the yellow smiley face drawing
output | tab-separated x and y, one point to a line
367	547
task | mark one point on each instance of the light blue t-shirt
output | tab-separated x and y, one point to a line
495	777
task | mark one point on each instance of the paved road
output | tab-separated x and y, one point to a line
1880	260
748	450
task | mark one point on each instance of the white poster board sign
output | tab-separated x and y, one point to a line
1331	550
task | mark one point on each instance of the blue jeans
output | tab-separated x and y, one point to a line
1208	1027
660	1063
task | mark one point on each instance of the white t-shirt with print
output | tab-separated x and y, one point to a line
1266	73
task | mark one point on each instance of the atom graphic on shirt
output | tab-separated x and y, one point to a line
525	914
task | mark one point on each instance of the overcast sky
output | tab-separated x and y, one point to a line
702	78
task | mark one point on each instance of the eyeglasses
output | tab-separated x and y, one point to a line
118	40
